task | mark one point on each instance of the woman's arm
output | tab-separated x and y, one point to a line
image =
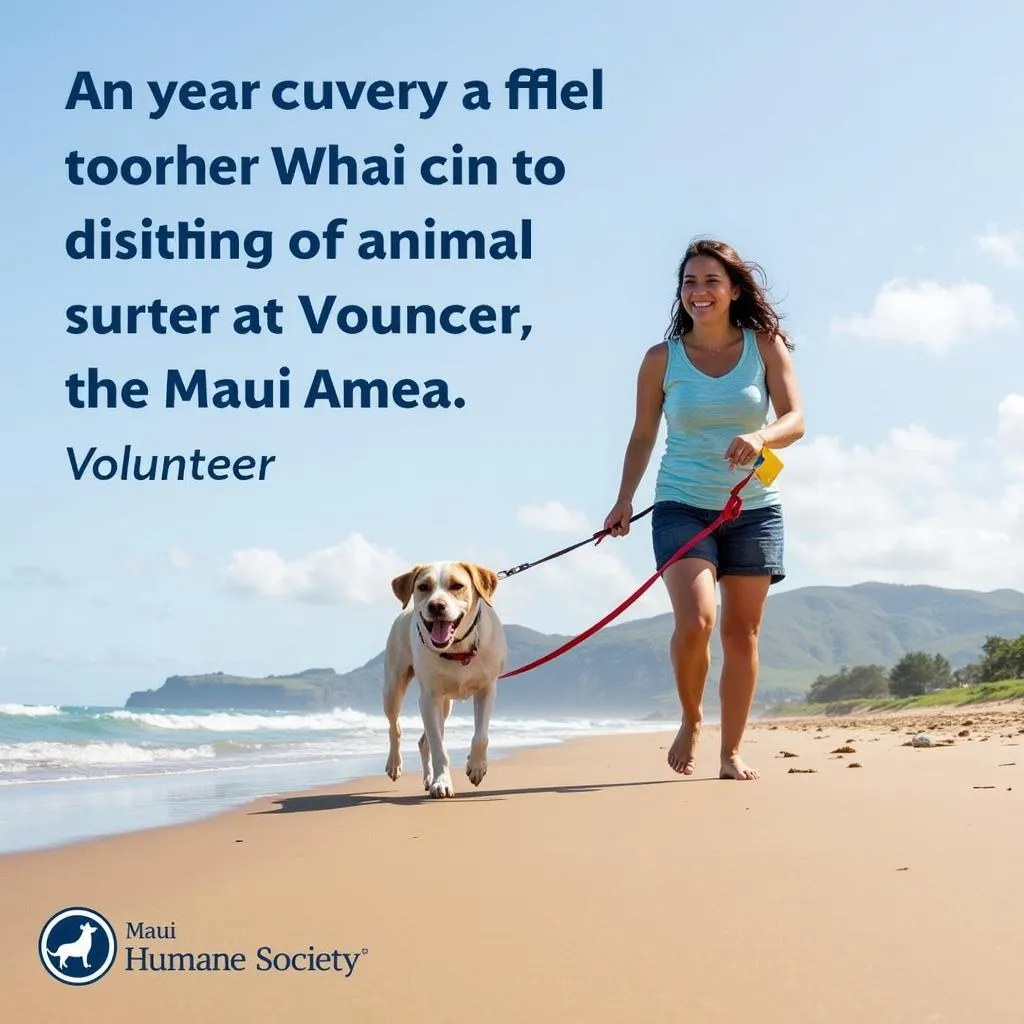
780	376
647	420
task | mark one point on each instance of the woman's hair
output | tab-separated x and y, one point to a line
752	309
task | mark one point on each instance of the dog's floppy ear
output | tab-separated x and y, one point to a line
402	585
485	580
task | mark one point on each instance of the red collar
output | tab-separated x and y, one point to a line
464	656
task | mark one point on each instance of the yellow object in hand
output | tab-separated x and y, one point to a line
767	466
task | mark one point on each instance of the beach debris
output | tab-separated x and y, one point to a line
854	764
903	869
984	787
802	771
787	753
964	732
239	840
923	740
845	749
1007	764
967	721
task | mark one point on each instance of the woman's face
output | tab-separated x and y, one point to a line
706	291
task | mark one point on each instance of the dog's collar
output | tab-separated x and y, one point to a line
464	656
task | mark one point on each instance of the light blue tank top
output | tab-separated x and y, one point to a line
703	414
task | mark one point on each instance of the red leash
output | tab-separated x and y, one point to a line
732	509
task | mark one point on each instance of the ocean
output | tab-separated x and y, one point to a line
72	773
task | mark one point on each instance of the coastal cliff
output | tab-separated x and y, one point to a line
308	690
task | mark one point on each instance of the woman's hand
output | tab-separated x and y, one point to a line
617	521
744	449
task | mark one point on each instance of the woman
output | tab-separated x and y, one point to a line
723	359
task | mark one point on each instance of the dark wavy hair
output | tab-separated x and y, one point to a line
752	309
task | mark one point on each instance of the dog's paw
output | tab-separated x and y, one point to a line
394	767
442	786
476	770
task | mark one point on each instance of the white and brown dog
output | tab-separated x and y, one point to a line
452	641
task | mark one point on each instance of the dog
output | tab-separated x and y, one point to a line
77	950
452	640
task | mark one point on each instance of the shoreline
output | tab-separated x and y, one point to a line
616	888
317	775
157	800
362	767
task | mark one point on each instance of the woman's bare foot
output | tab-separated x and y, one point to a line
683	752
734	767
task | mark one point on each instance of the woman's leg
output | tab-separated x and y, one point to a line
691	588
743	600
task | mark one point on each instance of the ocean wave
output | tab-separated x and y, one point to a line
19	757
572	725
30	710
240	721
347	722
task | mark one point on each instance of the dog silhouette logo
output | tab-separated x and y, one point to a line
77	946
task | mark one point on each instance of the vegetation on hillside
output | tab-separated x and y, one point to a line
921	680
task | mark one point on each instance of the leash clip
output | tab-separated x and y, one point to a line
505	573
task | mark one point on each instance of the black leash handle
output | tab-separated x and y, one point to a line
505	573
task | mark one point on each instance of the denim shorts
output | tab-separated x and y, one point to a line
749	545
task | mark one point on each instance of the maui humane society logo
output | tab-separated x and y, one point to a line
77	946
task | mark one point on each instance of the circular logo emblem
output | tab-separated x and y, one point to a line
77	946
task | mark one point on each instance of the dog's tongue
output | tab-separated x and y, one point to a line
441	631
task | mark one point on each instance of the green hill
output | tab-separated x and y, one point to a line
624	668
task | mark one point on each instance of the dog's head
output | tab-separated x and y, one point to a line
444	594
87	929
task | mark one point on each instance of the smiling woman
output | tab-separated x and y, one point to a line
723	360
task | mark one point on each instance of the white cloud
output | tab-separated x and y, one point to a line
1007	247
352	572
928	314
553	516
914	509
180	559
1010	431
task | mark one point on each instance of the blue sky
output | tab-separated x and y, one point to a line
868	158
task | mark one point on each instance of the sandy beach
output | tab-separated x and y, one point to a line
581	882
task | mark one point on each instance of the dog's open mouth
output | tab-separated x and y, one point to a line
441	631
